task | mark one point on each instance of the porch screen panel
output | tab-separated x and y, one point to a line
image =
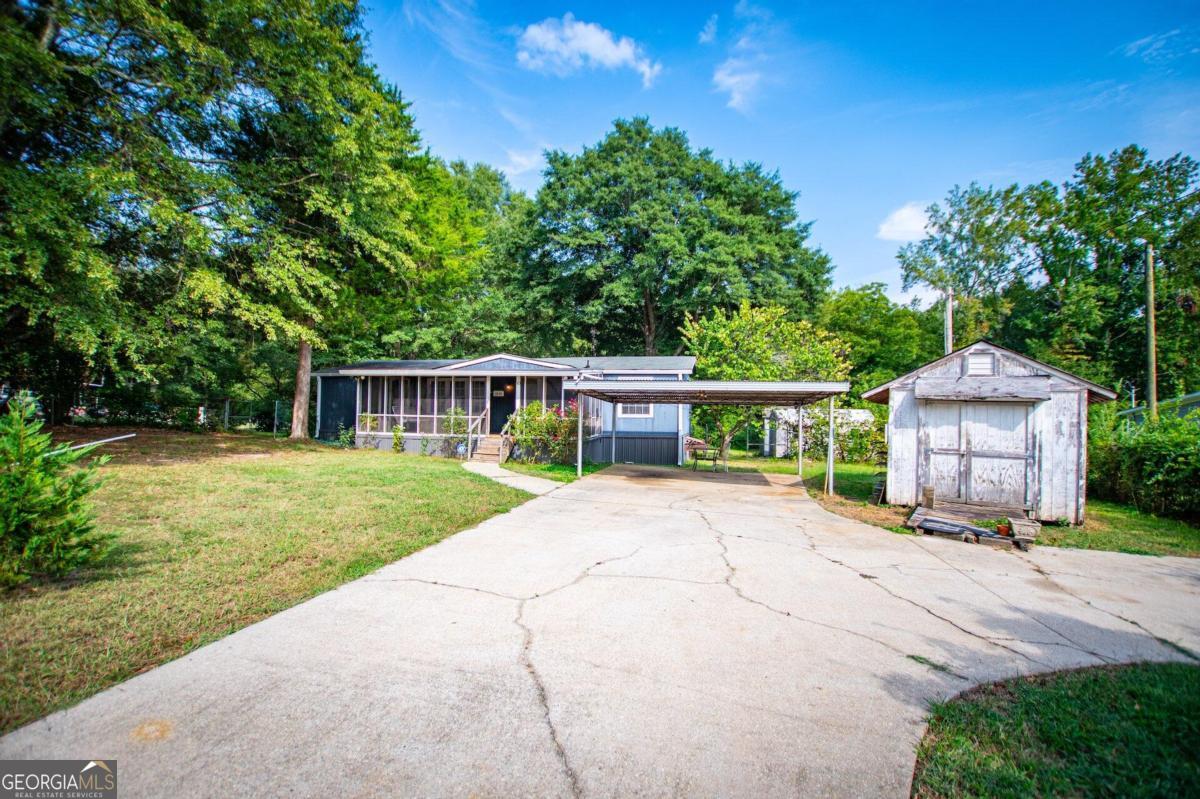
410	404
478	395
460	393
533	390
553	392
428	387
443	400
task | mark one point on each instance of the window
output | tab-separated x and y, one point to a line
634	409
981	364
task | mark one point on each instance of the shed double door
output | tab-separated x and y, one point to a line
979	451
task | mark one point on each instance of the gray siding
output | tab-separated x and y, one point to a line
659	449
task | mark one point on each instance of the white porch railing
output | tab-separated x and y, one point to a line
413	424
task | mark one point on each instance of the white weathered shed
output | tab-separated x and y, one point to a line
986	425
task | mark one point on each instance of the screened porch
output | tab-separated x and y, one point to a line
423	405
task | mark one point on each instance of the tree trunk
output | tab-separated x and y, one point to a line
300	398
649	323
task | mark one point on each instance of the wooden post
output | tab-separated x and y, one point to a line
225	422
579	436
829	454
1151	339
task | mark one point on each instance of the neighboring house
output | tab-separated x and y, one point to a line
779	427
375	397
1179	406
987	425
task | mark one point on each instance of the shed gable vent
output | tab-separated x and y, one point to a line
981	364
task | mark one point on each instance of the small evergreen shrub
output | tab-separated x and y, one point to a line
345	436
397	440
46	525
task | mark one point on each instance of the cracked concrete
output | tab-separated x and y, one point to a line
642	631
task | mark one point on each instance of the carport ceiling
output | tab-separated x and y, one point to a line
707	392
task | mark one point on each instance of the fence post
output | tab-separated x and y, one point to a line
226	424
275	425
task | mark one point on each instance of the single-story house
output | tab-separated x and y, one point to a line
986	425
375	397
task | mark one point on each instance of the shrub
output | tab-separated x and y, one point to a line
397	439
345	436
546	434
46	526
1154	466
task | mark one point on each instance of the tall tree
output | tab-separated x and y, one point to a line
1059	272
757	344
640	230
883	339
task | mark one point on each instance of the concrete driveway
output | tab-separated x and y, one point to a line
643	631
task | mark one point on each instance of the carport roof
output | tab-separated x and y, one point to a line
707	392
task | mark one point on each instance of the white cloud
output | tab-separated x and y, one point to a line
1159	48
709	33
751	62
739	79
564	46
520	162
906	223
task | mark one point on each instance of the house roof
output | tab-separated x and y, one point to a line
602	363
708	392
1096	392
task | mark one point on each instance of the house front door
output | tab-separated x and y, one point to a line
504	401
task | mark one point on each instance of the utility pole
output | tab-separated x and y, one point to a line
1151	339
949	333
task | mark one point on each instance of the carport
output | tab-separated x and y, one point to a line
795	394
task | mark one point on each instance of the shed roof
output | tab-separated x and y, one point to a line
708	392
1096	392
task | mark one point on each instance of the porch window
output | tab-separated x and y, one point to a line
478	395
634	409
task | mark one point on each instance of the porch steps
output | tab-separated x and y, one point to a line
488	450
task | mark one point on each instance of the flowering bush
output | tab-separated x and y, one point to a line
545	434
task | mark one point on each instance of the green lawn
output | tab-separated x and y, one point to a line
560	472
1127	731
1120	528
215	532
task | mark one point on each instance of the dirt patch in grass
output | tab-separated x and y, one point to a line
214	532
1125	731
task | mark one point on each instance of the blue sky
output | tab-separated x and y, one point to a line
870	111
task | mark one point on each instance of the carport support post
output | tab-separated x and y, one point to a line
799	442
829	454
579	437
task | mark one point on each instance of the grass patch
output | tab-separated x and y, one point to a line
1111	731
1121	528
559	472
215	532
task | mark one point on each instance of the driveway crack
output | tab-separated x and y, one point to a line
540	687
1072	642
731	572
1167	642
